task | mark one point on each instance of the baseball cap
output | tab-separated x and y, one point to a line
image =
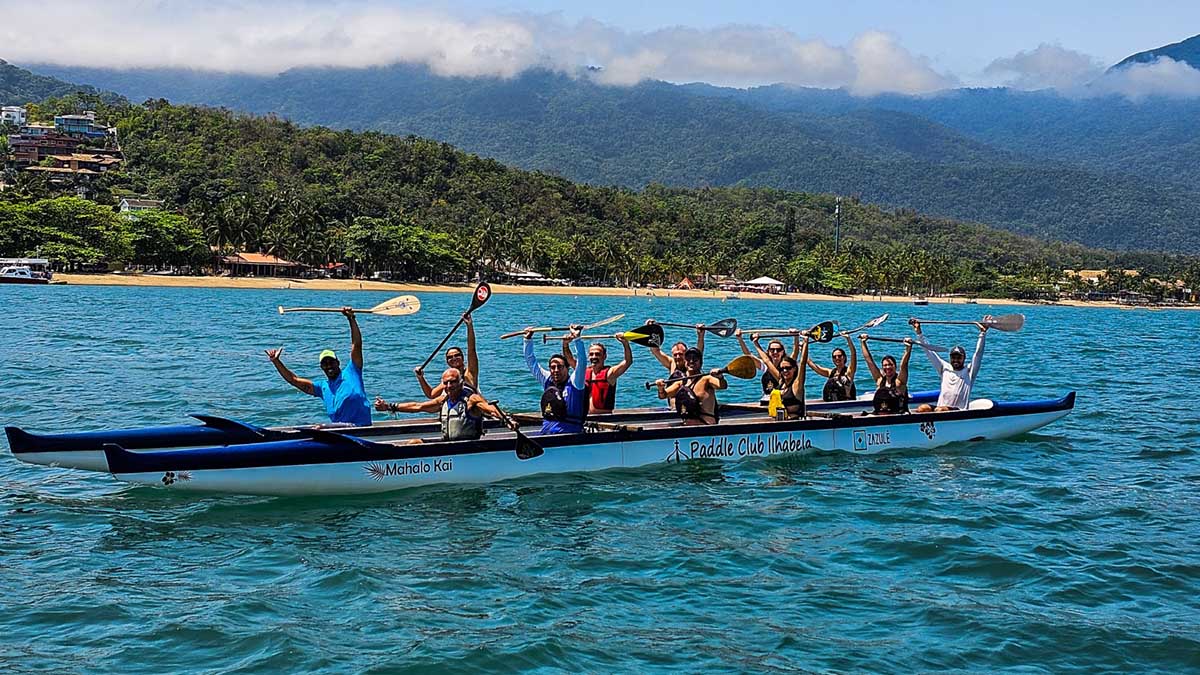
327	354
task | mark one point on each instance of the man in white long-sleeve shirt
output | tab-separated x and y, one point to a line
564	396
957	378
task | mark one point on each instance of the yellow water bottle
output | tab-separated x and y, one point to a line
775	406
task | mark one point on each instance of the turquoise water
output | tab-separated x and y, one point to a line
1070	550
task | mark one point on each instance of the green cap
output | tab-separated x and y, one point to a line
327	354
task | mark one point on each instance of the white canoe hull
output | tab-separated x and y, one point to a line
333	471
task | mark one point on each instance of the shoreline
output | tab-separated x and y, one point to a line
283	283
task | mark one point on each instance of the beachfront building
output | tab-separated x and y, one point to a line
243	264
12	114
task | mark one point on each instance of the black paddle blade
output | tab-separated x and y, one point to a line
483	293
650	335
822	332
723	328
526	448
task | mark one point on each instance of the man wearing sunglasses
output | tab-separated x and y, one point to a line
564	393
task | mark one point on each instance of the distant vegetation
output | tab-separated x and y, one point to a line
426	209
1103	172
19	87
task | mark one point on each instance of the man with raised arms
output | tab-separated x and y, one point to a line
342	389
957	378
454	359
459	407
674	363
696	396
601	380
564	393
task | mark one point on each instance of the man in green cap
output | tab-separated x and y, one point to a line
343	393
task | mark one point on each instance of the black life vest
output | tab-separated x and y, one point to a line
769	382
557	403
891	397
839	386
689	406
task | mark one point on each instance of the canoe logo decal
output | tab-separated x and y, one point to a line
483	293
928	429
170	477
382	470
676	455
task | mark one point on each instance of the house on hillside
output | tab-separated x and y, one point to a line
12	114
80	126
135	205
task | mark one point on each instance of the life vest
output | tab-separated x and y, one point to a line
458	424
839	386
769	382
601	392
891	397
690	407
564	409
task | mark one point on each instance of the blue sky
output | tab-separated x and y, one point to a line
866	48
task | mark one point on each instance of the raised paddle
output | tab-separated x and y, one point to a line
551	329
401	305
525	447
870	324
483	293
722	329
1008	323
650	335
743	367
822	332
935	348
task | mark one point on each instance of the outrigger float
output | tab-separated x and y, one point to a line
298	461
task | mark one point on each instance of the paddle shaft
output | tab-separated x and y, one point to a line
651	385
901	340
713	328
476	303
551	329
285	310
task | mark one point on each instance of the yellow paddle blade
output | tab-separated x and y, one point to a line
398	306
743	367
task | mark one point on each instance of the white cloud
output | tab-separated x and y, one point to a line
273	36
1162	77
1048	66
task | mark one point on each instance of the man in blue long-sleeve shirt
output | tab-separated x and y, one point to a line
564	395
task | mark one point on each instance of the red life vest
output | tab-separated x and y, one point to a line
601	392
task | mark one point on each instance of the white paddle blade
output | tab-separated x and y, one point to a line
605	322
281	309
876	321
1007	322
398	306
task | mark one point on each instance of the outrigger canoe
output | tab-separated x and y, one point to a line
338	463
85	450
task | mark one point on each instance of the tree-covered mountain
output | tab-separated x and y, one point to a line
424	208
899	151
19	86
1187	51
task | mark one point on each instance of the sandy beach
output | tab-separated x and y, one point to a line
368	285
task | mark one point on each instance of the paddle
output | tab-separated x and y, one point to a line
650	335
483	293
870	324
401	305
525	448
743	367
822	332
722	329
1008	323
935	348
551	329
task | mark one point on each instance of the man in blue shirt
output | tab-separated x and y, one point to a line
342	391
564	393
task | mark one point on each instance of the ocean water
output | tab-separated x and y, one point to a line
1073	549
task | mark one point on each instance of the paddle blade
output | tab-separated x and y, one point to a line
605	322
483	293
743	367
526	448
875	322
398	306
1007	322
281	309
723	328
822	332
650	335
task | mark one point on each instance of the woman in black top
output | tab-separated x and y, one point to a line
839	382
891	384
